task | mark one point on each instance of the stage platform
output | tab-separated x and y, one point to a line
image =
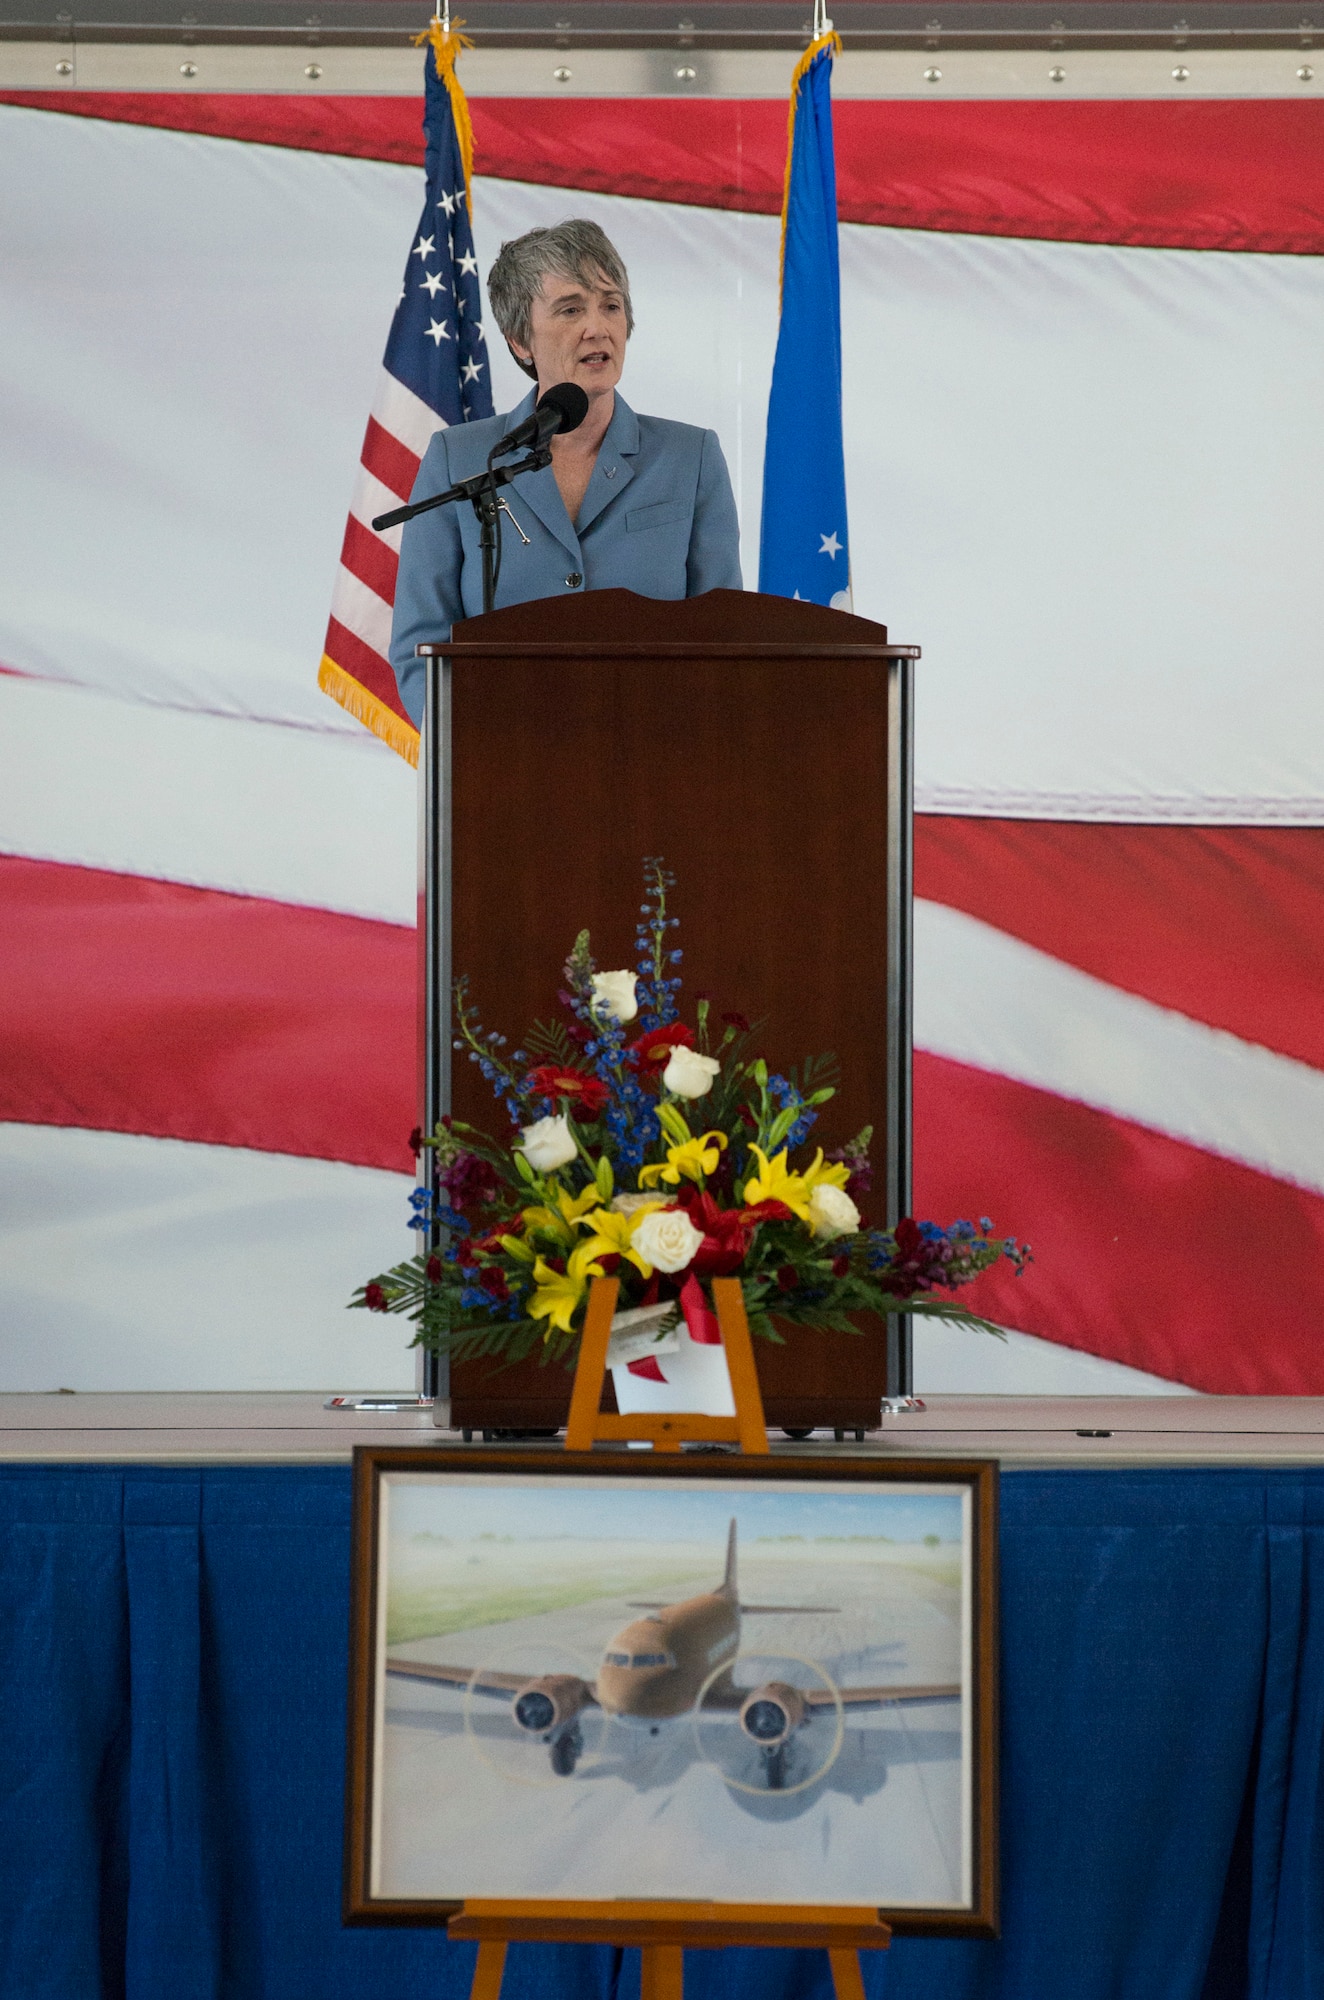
1046	1431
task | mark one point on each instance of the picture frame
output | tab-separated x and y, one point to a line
810	1729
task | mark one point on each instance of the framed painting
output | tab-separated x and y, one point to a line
617	1677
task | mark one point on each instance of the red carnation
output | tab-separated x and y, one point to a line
738	1021
563	1080
651	1053
788	1277
416	1139
464	1254
434	1269
727	1232
470	1181
374	1298
493	1280
841	1266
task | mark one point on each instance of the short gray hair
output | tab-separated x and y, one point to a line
575	249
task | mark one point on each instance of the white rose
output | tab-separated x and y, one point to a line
666	1239
548	1144
629	1204
832	1212
688	1074
613	993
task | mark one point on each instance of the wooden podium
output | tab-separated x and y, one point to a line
761	746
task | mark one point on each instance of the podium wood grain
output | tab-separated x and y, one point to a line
743	739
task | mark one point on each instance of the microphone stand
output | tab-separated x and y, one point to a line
481	492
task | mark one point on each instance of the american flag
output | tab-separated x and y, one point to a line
434	373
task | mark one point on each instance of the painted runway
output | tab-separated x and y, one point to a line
871	1809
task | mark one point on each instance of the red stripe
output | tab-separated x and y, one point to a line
1225	924
390	461
183	1013
1207	175
1147	1251
370	559
369	669
137	1006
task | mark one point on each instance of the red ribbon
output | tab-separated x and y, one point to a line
699	1315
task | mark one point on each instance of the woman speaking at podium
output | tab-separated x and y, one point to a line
628	502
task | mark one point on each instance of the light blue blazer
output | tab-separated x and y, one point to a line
658	518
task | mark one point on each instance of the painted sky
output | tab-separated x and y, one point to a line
465	1507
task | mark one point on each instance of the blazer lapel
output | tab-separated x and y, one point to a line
613	471
539	490
542	494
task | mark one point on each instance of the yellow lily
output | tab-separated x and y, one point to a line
774	1182
821	1175
562	1220
559	1292
693	1160
612	1232
518	1248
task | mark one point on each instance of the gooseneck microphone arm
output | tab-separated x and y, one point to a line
465	489
481	491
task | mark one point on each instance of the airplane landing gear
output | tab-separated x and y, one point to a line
567	1748
774	1766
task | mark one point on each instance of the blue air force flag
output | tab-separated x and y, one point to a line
434	373
803	547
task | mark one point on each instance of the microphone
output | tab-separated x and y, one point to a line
563	408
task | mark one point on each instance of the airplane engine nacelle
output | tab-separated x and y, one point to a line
772	1713
547	1705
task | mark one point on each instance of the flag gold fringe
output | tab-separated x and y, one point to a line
812	53
447	44
401	736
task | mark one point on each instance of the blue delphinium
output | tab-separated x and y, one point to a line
787	1098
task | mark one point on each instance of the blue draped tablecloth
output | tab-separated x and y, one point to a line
172	1726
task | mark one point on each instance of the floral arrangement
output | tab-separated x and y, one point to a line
662	1154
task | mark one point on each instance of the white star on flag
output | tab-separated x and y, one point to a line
468	264
432	284
437	332
831	546
472	370
425	246
448	203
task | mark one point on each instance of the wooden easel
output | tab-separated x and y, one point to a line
666	1432
661	1931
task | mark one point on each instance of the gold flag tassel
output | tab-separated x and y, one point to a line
447	42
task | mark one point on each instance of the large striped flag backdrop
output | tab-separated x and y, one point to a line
1084	399
435	372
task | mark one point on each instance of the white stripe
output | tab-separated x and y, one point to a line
410	420
950	1360
367	615
160	1220
984	998
371	498
1127	808
217	801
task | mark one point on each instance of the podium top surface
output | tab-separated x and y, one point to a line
619	624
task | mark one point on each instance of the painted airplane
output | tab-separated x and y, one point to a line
657	1667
